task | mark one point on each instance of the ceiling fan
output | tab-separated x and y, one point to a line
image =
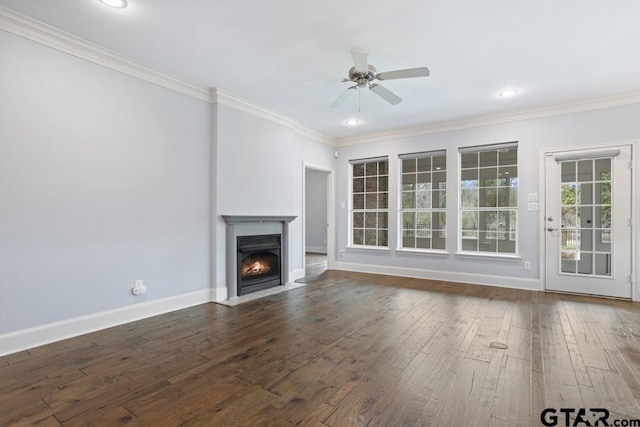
363	74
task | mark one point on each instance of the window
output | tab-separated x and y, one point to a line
424	200
489	198
370	202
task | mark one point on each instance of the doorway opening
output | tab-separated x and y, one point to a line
317	219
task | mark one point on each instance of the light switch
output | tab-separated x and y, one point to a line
532	197
532	206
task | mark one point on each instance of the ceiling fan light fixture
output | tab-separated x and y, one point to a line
118	4
507	93
352	122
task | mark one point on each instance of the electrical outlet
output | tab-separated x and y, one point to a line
139	288
527	265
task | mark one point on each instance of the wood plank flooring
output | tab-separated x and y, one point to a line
348	349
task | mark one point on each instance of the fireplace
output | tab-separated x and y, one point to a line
261	229
259	262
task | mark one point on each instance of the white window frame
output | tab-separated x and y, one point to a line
403	190
353	210
511	211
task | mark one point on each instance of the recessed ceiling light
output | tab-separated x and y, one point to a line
508	92
120	4
352	122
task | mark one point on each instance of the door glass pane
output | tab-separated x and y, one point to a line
603	240
568	171
569	217
586	240
603	264
602	217
586	216
603	193
585	234
585	170
585	263
603	169
568	266
584	193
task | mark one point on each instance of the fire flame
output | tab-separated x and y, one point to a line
255	268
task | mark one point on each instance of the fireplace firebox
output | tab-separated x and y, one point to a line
259	261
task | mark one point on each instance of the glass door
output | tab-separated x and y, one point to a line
588	222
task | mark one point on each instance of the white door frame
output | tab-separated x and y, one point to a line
331	245
635	202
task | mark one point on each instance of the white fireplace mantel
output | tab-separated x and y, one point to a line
235	219
240	225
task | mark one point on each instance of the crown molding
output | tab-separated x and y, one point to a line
222	97
46	35
494	119
315	135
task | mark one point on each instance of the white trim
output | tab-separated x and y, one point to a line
219	96
24	339
422	252
295	275
316	249
222	97
488	255
370	249
635	221
331	215
315	135
46	35
576	106
219	293
446	276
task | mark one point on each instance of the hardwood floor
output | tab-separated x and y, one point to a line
315	264
348	349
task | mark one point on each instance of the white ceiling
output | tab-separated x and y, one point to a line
552	51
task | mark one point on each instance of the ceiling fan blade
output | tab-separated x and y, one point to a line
404	74
386	94
360	61
321	82
343	97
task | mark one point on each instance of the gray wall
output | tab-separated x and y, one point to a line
316	210
104	179
568	130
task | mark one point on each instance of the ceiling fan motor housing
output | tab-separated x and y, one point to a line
360	78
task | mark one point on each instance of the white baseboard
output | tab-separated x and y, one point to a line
445	276
24	339
296	274
316	249
219	293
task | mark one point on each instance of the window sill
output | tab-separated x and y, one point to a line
423	252
487	255
370	249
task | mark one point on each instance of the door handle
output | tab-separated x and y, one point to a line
552	229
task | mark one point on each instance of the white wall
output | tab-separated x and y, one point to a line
578	129
104	179
316	211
